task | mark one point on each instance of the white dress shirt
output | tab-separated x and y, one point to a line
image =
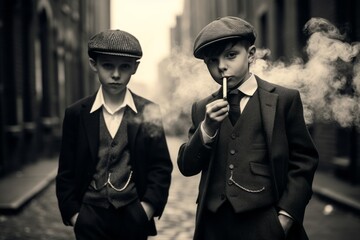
113	118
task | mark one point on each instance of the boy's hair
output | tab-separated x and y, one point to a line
114	42
221	29
216	48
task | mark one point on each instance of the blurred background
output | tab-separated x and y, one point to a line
310	45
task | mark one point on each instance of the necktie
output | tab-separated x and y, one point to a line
234	105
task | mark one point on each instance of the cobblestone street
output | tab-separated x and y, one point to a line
40	219
178	219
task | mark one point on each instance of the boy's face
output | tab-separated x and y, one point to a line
233	63
114	72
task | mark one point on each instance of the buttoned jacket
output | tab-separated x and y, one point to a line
292	153
149	155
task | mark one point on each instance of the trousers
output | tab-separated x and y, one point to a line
225	224
94	223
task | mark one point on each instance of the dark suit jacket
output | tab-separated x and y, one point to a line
293	156
149	155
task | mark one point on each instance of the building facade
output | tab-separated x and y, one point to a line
43	68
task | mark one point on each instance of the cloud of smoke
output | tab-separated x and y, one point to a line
329	80
186	80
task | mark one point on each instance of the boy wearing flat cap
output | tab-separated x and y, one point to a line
250	144
114	166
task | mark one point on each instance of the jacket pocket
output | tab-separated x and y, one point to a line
258	146
260	169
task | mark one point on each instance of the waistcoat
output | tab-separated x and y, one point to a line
112	182
241	173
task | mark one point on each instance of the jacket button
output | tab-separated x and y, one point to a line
233	136
230	182
231	166
232	151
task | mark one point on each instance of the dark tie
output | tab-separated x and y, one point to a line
234	105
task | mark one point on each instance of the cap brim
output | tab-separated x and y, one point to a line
198	52
118	54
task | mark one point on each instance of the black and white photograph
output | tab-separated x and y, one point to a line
179	119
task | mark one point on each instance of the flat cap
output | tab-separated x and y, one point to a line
221	29
115	42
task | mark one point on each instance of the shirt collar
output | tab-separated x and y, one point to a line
99	102
249	86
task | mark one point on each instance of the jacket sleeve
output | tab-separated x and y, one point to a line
301	165
65	186
194	155
159	167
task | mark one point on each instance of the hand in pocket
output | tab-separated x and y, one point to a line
149	210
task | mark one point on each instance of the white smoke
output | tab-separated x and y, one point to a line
329	80
188	81
323	79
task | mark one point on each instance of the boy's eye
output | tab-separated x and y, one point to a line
107	65
211	61
231	55
125	66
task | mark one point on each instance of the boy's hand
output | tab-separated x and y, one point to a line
149	210
74	219
216	112
286	223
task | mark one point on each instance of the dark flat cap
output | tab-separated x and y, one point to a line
115	42
221	29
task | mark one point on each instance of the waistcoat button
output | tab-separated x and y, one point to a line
232	151
231	166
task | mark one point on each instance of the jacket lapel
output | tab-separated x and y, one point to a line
268	102
91	124
133	122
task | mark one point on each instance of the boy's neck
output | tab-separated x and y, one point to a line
114	101
246	77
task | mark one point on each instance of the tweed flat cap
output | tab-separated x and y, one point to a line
115	42
221	29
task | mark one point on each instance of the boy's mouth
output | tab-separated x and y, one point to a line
115	85
229	80
227	77
232	83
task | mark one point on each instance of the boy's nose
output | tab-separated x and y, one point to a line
116	74
222	66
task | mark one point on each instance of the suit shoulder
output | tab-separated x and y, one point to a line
141	100
279	89
144	104
79	104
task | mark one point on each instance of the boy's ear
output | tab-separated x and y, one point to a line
92	64
251	53
136	65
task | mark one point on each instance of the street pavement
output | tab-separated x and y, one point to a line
40	218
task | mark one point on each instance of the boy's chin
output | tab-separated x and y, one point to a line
115	91
233	85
